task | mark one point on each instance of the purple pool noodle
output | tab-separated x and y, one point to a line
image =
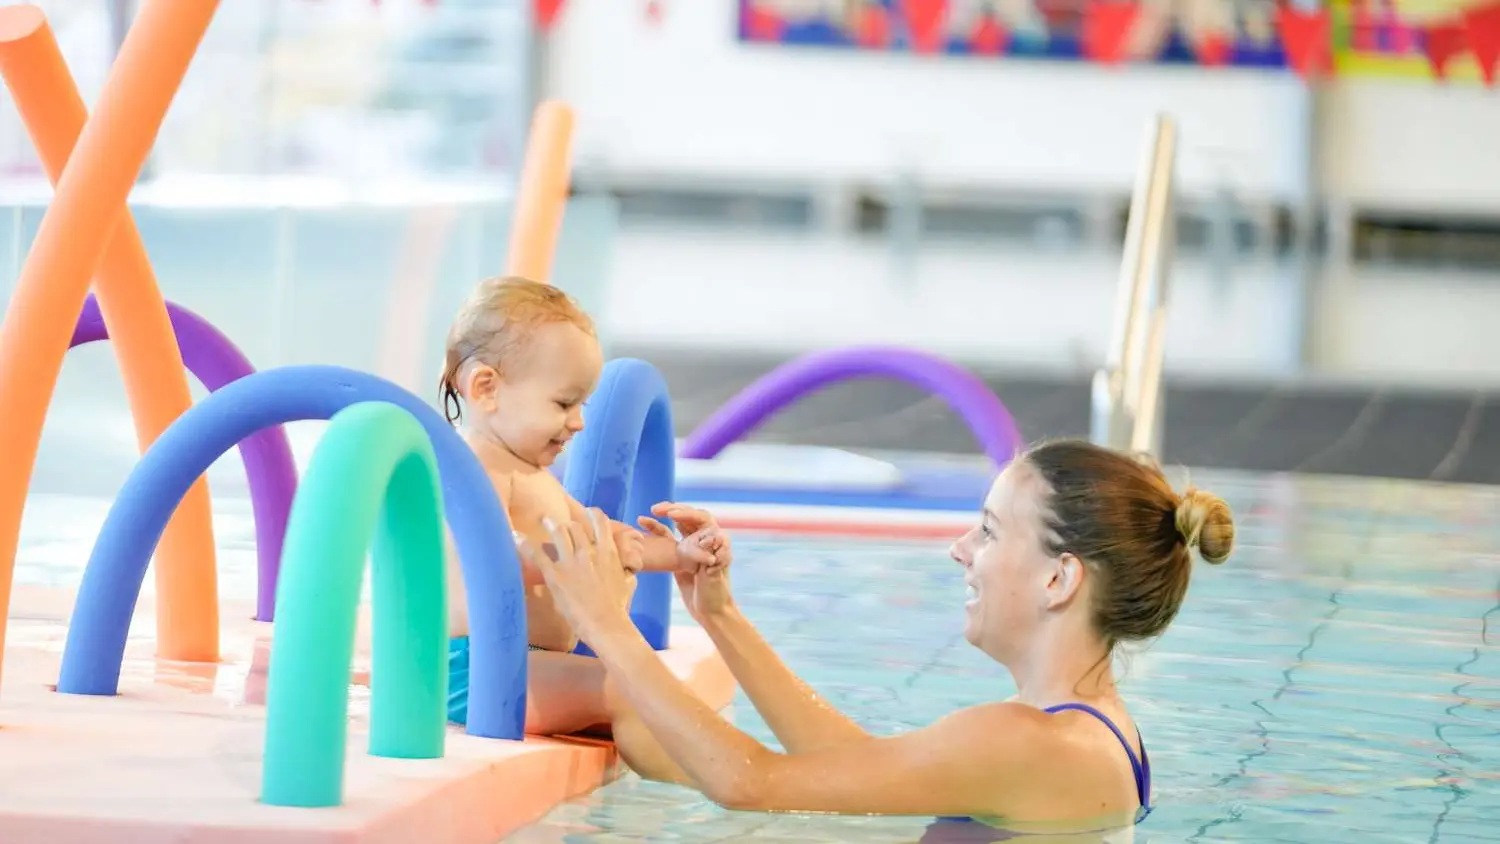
969	397
267	455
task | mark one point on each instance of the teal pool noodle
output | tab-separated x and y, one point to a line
371	487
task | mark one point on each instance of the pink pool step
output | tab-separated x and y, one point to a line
176	756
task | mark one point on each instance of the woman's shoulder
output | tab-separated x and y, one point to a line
1060	759
1024	746
1007	713
1011	734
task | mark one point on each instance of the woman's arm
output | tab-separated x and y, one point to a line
962	765
801	719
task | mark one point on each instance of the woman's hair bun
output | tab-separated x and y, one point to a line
1206	523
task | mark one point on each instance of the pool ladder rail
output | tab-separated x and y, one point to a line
1127	401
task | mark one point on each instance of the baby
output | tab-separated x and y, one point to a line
521	359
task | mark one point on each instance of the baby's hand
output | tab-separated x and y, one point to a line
703	546
630	545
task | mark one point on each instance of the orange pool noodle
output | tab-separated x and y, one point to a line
67	251
151	364
542	193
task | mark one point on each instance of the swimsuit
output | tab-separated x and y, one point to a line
458	679
944	829
1140	765
458	668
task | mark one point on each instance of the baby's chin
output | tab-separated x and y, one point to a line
548	454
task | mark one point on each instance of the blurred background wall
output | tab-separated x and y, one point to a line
758	178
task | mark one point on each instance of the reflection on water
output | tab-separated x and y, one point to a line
1335	681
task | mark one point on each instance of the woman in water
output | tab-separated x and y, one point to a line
1077	549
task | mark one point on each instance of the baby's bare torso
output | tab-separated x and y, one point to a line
530	495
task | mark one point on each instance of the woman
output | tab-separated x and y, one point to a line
1077	549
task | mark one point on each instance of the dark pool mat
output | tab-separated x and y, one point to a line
1481	457
1383	432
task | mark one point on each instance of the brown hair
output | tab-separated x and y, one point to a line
493	325
1121	517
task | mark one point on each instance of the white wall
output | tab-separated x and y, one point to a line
1411	145
1014	307
983	306
1408	326
684	99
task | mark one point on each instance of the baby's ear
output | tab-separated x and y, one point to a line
479	385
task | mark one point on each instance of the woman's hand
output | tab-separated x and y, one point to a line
630	548
583	571
705	592
703	554
703	543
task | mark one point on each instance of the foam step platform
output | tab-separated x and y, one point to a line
176	756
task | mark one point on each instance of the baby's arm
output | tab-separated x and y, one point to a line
653	557
659	551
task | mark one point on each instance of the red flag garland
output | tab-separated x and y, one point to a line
763	24
1213	49
1306	39
545	13
1482	31
1441	44
872	27
989	37
924	23
1106	30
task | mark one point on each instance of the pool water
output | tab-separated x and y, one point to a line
1335	681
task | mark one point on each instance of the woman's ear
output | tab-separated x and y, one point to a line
479	384
1066	582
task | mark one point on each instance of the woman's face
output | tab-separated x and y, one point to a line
1006	566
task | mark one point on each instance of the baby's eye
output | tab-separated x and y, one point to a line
985	529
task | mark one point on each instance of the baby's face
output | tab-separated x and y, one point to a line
540	407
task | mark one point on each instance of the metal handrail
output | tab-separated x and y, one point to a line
1128	400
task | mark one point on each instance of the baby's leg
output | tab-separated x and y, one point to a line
568	693
564	693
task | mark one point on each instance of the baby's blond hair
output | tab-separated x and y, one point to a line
494	324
